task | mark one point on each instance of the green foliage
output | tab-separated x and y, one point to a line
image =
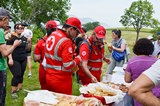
28	83
139	15
76	86
37	11
37	35
154	31
90	25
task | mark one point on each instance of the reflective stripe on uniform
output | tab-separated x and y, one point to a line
67	64
57	47
57	68
55	56
98	60
63	69
93	68
52	57
54	67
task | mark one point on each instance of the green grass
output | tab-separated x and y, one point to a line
33	83
29	83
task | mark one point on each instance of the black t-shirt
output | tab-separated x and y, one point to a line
19	53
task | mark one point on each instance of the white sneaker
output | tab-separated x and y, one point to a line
29	75
14	95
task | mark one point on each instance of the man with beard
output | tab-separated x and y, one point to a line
92	53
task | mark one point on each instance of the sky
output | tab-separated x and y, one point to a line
107	11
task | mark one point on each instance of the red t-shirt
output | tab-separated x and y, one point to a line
40	47
84	52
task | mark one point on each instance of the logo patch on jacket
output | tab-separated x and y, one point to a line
70	50
84	53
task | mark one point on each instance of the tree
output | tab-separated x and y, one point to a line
139	15
155	30
90	25
37	11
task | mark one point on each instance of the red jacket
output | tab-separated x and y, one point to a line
59	62
40	47
40	50
94	55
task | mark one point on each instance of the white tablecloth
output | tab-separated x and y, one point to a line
118	77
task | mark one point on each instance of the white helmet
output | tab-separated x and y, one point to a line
27	33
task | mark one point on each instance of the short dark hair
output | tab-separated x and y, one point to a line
78	40
24	24
117	32
66	26
18	24
50	30
143	47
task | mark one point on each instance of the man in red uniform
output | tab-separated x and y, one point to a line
40	50
59	56
92	54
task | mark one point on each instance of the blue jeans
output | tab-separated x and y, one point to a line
113	64
128	100
3	76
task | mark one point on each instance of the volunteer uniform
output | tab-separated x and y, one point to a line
40	50
59	62
94	55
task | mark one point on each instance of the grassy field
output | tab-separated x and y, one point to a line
33	83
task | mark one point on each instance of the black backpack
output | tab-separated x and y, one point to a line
79	41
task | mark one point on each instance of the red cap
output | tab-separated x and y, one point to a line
51	24
100	32
75	22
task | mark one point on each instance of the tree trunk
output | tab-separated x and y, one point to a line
137	35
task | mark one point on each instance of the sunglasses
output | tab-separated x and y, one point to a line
99	39
76	29
20	28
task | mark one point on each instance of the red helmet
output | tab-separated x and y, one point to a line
100	32
75	22
51	24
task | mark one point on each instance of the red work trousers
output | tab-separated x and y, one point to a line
86	80
60	82
42	77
